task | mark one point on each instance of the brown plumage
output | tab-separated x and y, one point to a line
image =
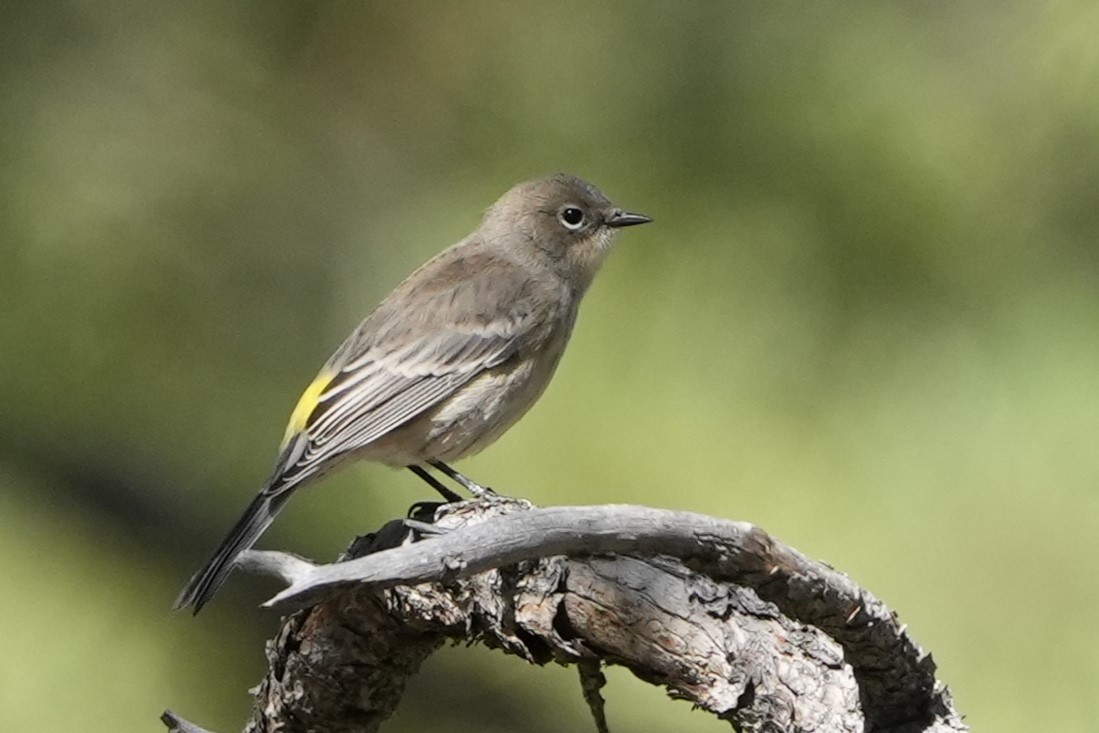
451	359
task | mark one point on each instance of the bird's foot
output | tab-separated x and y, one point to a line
424	511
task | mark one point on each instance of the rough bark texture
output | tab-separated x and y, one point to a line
718	612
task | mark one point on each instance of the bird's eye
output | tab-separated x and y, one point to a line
571	217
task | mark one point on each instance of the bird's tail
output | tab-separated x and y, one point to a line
256	518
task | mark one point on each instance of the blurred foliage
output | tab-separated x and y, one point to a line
865	318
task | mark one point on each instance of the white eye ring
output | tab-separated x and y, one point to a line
571	217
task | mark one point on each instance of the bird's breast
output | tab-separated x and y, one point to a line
485	407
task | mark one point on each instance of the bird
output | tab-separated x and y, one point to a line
449	360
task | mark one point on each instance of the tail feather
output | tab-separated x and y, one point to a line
255	520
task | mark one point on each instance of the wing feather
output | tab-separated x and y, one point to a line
474	312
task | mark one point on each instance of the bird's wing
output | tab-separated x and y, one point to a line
471	314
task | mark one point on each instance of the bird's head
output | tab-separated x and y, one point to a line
561	219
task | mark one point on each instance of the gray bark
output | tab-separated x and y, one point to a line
717	612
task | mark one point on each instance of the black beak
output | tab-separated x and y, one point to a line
619	218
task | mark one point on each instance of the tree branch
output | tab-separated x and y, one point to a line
717	611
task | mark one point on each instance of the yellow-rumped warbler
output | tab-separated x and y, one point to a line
450	359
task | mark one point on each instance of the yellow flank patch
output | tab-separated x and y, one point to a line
299	418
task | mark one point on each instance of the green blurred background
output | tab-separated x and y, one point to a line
865	318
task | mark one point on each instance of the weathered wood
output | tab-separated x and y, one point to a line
718	612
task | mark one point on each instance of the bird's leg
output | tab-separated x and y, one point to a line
434	483
481	492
